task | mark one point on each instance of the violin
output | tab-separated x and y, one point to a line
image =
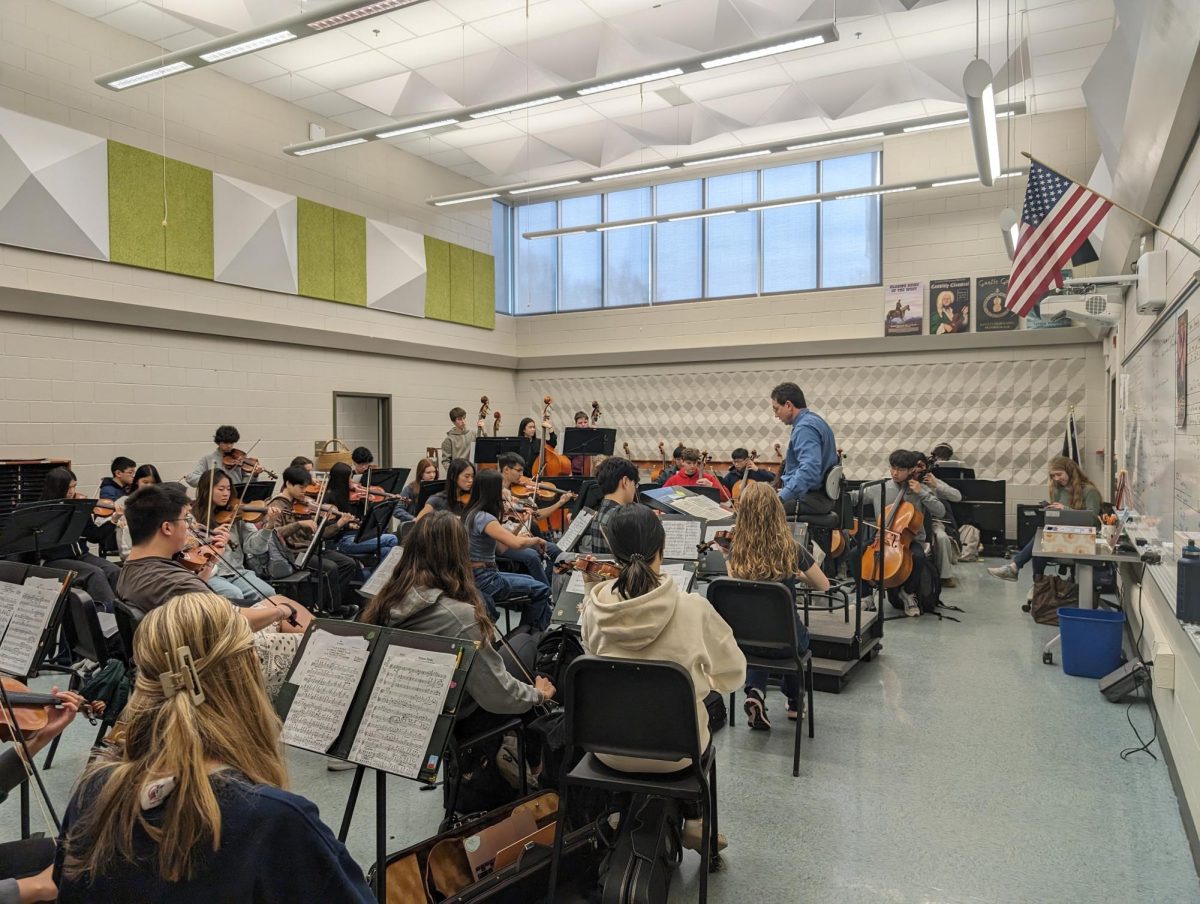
237	460
196	556
358	493
601	571
251	514
903	523
722	539
29	710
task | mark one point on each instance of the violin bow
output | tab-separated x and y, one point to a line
31	770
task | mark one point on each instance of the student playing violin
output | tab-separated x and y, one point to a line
226	439
97	576
460	477
363	460
425	470
121	483
232	578
691	476
338	494
512	473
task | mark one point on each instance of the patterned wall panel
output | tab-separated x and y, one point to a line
1003	417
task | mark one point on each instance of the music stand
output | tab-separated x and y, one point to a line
488	449
390	480
589	441
428	488
41	526
375	522
256	491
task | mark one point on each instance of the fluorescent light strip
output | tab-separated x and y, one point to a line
955	182
761	153
624	226
393	133
629	173
763	52
150	75
785	204
526	191
353	15
842	140
466	200
511	108
632	80
873	192
224	53
702	216
928	126
330	147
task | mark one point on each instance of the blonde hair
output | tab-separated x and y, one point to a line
763	548
173	736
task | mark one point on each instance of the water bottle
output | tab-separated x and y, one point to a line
1187	586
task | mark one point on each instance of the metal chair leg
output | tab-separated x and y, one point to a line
810	699
732	701
556	854
707	840
52	751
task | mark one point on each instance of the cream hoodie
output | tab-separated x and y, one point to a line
667	625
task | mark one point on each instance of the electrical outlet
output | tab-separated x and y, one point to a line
1164	666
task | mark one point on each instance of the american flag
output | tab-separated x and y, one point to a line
1058	217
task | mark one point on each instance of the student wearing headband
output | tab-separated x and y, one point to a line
188	804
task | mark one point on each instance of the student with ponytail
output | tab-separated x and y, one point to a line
643	614
188	805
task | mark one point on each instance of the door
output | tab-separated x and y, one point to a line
362	419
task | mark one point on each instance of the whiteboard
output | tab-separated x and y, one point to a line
1161	460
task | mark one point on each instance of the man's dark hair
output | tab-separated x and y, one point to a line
580	415
739	452
456	413
294	476
943	452
362	456
678	453
903	458
612	471
226	434
150	507
788	392
300	461
510	460
689	454
121	463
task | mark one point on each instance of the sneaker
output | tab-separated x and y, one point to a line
911	609
1004	572
949	582
693	834
793	714
332	765
755	708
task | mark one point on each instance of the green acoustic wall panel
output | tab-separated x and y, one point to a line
485	291
136	211
462	284
350	264
437	278
315	250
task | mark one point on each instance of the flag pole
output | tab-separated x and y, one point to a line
1137	216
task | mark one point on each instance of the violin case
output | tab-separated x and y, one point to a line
502	857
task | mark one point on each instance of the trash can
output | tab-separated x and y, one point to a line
1091	641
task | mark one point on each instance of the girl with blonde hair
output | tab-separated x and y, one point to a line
188	804
763	549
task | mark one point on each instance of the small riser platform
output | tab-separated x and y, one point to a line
832	637
831	675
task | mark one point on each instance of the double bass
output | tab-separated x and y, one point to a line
904	521
549	463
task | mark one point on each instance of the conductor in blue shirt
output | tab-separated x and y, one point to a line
811	452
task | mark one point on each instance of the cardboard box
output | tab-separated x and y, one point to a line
1069	541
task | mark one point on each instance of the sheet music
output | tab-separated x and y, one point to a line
383	573
700	507
408	696
327	677
682	537
677	571
578	525
28	620
10	599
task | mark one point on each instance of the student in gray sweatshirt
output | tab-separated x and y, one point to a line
457	443
432	591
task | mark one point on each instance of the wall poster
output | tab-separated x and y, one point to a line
991	292
903	309
950	305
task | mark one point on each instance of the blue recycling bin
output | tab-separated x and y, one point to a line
1091	641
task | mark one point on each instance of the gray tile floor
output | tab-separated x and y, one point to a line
954	768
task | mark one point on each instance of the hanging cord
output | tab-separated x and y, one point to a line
162	87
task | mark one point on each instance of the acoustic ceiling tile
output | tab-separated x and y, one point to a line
573	56
402	95
290	87
249	68
352	70
450	46
427	18
146	22
330	103
313	51
513	28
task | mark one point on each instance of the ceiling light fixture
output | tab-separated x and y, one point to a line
981	110
769	50
512	108
778	204
624	225
535	188
630	173
632	80
335	15
702	216
845	138
930	126
875	191
486	197
723	158
955	182
424	127
331	147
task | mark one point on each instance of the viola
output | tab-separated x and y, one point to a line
601	571
722	539
358	493
237	460
29	710
251	514
903	523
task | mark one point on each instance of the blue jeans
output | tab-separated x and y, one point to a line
1025	554
497	586
224	587
385	545
251	586
532	561
756	679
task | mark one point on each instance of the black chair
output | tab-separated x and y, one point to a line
662	726
762	615
127	622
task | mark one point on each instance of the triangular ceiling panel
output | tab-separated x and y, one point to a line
13	172
484	77
747	109
766	18
708	123
599	143
672	126
515	154
694	27
406	94
573	55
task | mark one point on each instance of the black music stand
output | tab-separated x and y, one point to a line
429	488
256	491
488	449
42	526
375	524
589	441
390	480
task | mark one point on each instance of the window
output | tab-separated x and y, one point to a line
798	248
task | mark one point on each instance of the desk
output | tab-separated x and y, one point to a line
1083	577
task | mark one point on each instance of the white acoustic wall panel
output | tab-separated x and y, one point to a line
395	269
254	235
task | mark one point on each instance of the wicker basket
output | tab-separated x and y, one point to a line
330	452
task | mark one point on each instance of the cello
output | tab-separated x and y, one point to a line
741	484
656	476
904	520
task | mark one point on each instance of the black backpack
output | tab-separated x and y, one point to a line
556	650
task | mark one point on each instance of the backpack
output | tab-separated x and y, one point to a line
268	556
556	650
1049	593
969	543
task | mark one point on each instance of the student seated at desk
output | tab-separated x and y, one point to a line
1069	489
187	805
763	549
644	615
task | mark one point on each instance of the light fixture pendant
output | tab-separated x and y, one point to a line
981	112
